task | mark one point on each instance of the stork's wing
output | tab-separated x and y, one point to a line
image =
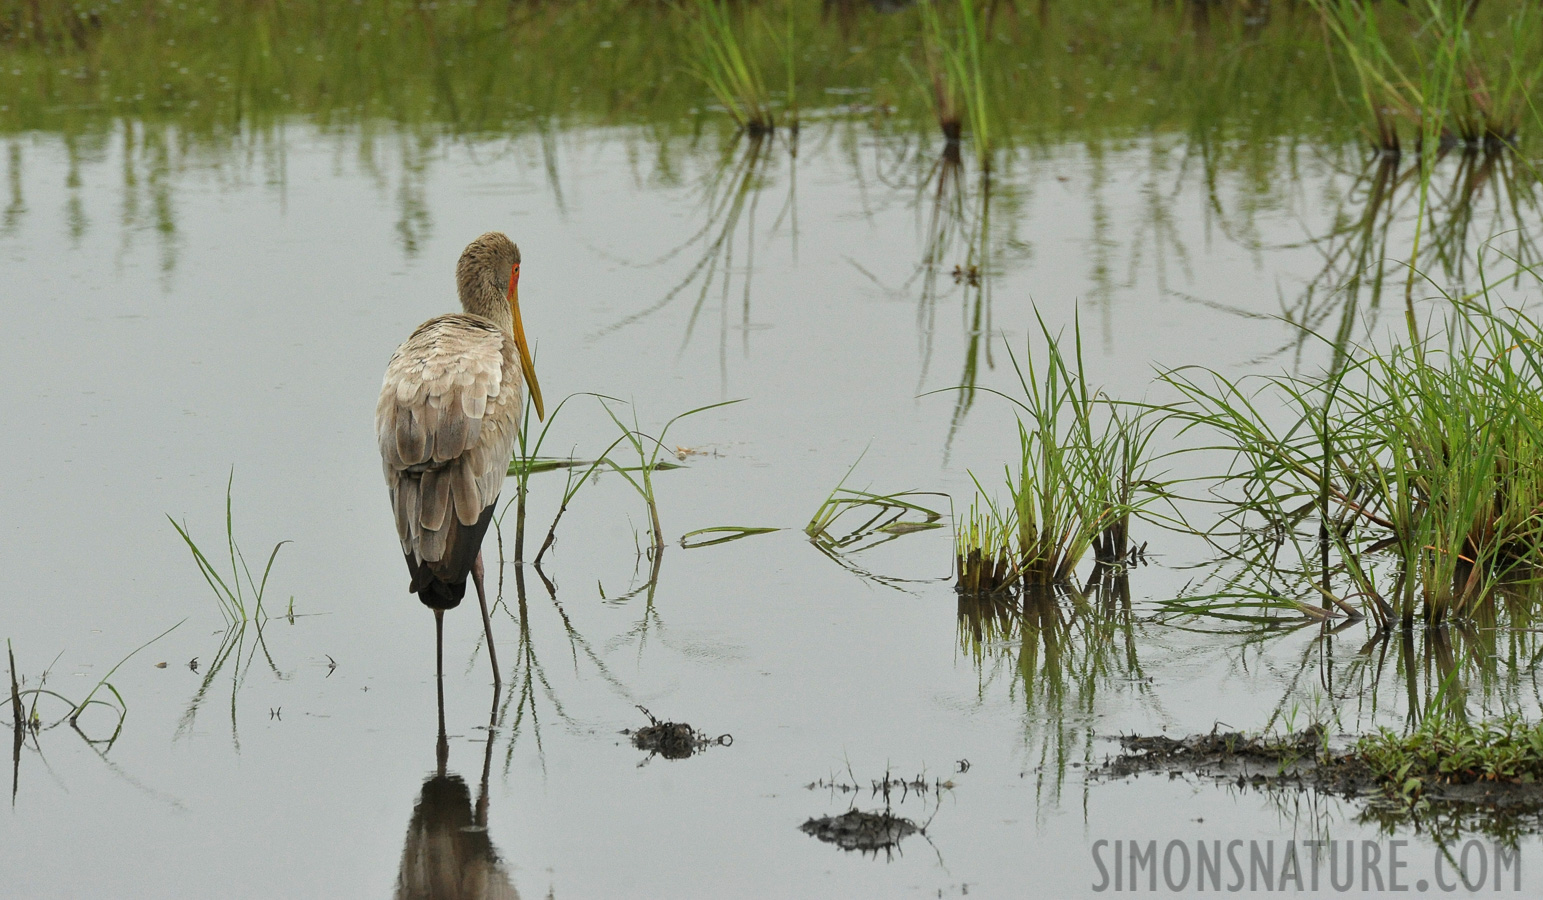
446	423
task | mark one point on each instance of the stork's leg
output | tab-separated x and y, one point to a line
442	748
487	624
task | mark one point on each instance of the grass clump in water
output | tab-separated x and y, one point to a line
1406	484
983	551
1081	475
727	66
1444	751
955	75
1457	78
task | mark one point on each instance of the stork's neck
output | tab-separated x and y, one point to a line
490	301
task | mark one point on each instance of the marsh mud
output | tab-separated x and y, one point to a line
1306	761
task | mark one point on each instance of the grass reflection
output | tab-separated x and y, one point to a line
1481	203
725	245
1059	650
240	645
520	711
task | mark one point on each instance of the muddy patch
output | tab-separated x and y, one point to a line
1455	804
672	740
1301	759
878	830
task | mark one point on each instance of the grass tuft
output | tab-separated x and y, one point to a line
953	57
729	69
1081	475
233	598
983	551
1405	485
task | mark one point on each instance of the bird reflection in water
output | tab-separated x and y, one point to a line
448	854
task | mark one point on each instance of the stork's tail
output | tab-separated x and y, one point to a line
442	584
435	592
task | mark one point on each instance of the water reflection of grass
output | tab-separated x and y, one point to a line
1060	649
240	598
1480	203
520	710
731	198
239	647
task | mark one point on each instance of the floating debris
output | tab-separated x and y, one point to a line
673	740
887	786
858	830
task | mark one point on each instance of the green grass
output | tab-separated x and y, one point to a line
647	448
1081	472
729	70
953	58
28	719
851	521
881	517
1439	71
473	68
720	534
238	603
1405	485
1448	751
983	551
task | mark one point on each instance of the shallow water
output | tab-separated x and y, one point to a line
227	313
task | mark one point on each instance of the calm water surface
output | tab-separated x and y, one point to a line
177	317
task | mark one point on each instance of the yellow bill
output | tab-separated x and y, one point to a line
527	367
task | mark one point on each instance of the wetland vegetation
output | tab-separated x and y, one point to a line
1355	508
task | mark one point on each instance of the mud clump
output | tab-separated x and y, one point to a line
1234	756
672	740
858	830
1448	802
1301	760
